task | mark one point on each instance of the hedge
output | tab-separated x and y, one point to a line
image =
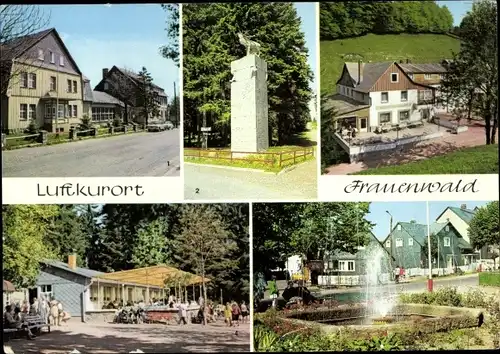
489	279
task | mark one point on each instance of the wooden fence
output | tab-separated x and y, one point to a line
270	158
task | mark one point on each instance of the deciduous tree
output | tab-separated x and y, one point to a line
18	25
484	229
24	229
150	247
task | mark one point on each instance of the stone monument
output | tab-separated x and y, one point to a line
249	107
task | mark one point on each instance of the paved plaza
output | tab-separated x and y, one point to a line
149	338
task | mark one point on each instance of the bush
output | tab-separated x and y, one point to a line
489	279
475	299
32	128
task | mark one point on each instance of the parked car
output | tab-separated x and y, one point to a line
169	125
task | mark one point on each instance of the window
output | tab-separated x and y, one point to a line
40	54
346	266
50	110
24	79
410	242
410	76
388	243
384	97
441	76
446	242
394	77
106	86
52	57
404	96
69	86
398	227
75	111
53	83
32	80
384	118
102	114
61	60
447	228
427	76
23	111
75	87
46	288
399	242
404	116
32	112
60	111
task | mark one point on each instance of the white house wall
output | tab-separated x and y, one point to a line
461	226
394	106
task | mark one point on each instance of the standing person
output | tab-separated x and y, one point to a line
182	308
42	308
273	290
235	314
228	314
244	312
397	274
401	273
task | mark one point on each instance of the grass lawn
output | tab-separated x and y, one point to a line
299	146
419	48
473	160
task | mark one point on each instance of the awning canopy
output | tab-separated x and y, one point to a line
8	287
159	276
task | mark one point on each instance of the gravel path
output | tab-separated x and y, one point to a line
140	154
206	182
149	338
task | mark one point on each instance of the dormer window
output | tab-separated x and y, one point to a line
394	77
52	57
61	60
40	54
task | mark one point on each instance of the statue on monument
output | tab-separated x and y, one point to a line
251	46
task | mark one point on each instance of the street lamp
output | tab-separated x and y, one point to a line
390	233
429	255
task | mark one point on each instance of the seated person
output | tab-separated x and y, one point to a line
10	321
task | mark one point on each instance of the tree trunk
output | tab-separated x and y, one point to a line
487	128
204	293
126	114
495	127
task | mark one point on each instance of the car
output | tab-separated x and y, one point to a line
169	125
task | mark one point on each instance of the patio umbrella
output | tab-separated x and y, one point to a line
8	286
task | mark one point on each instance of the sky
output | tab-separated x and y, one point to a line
407	211
457	8
307	14
100	36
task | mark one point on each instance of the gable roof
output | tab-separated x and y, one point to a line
103	97
134	76
346	255
368	75
464	214
84	272
16	47
423	68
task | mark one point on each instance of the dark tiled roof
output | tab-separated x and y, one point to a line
134	76
411	68
344	104
464	214
17	46
370	73
103	97
84	272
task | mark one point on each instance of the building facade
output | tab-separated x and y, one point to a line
124	85
45	84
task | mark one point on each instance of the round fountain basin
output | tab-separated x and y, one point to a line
370	320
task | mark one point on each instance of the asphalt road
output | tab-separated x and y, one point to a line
206	182
140	154
461	283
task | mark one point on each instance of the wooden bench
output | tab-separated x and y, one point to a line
34	323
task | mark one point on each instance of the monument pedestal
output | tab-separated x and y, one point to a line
249	107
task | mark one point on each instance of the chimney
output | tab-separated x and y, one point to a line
359	72
72	261
105	72
463	206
